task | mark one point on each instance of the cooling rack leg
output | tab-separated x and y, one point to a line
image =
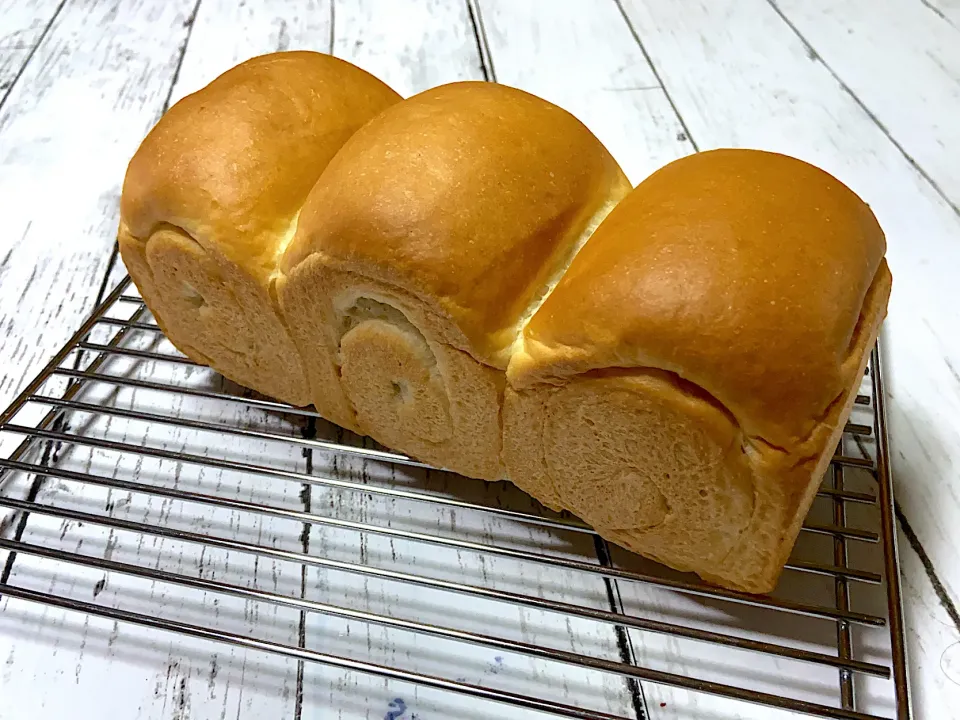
844	646
888	529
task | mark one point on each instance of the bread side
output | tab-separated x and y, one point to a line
684	386
211	199
423	248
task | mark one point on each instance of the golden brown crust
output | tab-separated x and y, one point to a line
741	271
471	196
232	164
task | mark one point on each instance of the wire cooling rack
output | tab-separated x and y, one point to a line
127	468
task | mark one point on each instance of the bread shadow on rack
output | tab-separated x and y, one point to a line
443	508
437	521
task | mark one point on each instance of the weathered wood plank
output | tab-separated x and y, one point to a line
910	87
67	129
736	73
227	33
100	666
933	641
22	25
489	666
410	46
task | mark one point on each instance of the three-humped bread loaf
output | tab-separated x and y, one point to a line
470	280
421	252
211	199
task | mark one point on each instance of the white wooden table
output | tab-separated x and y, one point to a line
867	89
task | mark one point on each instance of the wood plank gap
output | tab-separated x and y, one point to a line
35	486
33	50
191	20
333	17
945	600
111	263
309	432
938	12
624	645
656	73
483	46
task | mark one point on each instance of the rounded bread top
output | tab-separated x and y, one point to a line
741	271
232	163
471	196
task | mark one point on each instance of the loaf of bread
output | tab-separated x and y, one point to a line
467	277
211	199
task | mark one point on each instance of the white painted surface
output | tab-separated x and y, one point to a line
119	670
737	75
933	644
22	25
160	675
226	33
920	115
94	86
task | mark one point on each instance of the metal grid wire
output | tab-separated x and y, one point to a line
842	582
